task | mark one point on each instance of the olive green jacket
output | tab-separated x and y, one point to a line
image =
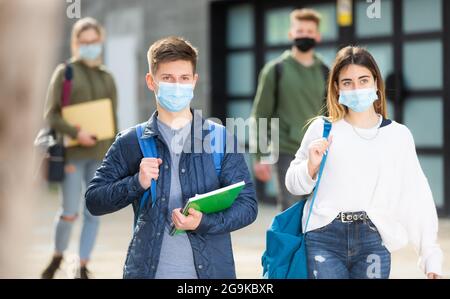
88	83
301	94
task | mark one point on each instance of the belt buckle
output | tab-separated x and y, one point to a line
345	218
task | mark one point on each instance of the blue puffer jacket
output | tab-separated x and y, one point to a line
116	185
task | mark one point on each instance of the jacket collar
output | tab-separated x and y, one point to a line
151	128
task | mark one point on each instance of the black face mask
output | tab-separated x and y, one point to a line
304	44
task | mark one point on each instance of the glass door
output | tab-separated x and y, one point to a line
409	50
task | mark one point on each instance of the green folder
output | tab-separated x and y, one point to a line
211	202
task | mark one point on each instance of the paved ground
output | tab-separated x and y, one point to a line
115	233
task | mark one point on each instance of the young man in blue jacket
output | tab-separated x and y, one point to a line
181	171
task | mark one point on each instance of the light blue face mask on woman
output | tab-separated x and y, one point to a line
358	100
174	97
90	52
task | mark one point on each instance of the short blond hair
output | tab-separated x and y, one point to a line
306	14
82	25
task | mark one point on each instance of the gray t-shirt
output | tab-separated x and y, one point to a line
176	259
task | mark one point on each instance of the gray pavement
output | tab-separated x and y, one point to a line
115	233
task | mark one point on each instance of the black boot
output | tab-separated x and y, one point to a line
84	273
49	272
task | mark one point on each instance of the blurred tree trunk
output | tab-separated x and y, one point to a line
29	31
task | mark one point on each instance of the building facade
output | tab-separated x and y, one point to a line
410	39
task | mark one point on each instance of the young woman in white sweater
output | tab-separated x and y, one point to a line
373	197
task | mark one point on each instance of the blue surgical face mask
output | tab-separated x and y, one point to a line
174	97
90	52
358	100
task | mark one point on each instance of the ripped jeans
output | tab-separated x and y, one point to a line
347	251
73	188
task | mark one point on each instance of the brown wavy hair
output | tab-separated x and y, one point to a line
170	49
345	57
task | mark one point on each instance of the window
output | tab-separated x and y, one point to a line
240	26
370	27
422	16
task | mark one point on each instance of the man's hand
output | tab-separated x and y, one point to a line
263	172
189	222
148	170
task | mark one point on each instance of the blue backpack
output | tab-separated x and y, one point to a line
149	150
285	255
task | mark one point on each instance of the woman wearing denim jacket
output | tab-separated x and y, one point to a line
374	197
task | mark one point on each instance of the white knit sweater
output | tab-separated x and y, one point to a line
381	176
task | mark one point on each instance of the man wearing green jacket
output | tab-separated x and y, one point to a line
291	88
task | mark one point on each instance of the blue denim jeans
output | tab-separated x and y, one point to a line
72	198
347	250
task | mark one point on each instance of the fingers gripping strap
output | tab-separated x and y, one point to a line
326	133
148	148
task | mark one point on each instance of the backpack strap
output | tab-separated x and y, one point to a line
325	70
276	88
326	133
218	135
67	85
149	150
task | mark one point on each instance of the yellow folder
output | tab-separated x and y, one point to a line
95	117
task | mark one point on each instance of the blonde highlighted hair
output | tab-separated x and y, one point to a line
82	25
305	14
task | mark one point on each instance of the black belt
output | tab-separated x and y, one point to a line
352	217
